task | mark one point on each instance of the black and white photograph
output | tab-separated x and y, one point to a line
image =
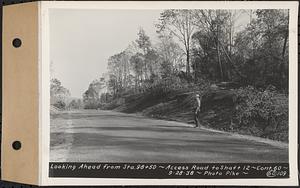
169	86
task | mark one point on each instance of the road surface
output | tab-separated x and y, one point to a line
107	136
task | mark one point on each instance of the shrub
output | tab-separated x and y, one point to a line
60	104
266	111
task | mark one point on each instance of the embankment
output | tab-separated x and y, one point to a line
218	111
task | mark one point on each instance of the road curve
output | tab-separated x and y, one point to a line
107	136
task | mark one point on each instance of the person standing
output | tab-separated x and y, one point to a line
197	111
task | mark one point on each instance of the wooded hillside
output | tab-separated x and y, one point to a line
199	48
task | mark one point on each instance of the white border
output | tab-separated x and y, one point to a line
45	91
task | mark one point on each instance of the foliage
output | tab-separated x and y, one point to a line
59	95
170	56
264	46
178	23
256	55
91	97
60	104
196	48
75	104
266	110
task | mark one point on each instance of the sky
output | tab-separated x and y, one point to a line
81	41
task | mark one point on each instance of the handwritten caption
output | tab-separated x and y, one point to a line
166	170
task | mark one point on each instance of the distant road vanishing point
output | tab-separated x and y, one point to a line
108	136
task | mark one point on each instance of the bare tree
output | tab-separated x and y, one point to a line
180	24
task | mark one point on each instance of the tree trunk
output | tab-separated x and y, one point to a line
218	53
220	63
230	42
195	72
284	44
136	84
230	34
187	63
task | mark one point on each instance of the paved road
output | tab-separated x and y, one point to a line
106	136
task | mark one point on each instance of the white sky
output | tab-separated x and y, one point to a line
81	41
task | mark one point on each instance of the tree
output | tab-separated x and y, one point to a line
263	44
205	62
91	98
119	72
75	104
58	94
148	54
170	54
218	24
179	23
136	62
134	68
151	59
98	85
143	41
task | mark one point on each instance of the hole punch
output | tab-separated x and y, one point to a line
16	145
17	42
